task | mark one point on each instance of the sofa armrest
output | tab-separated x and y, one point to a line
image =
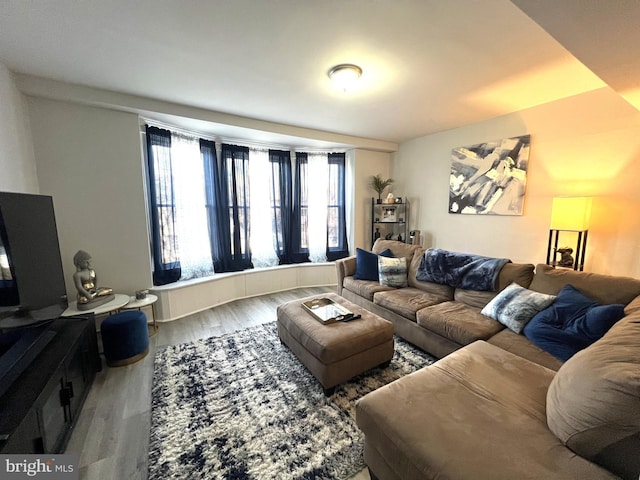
345	267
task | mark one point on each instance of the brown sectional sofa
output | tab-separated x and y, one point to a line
496	406
438	318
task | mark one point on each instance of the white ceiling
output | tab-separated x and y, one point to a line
602	34
429	65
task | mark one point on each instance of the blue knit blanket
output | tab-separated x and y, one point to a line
460	270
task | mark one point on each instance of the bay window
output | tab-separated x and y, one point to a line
219	208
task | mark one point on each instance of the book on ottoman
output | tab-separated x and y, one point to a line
327	311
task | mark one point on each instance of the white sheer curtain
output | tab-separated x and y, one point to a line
318	171
192	223
263	253
191	216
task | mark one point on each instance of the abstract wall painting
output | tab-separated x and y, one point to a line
489	178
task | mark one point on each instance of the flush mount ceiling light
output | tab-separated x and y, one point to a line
345	75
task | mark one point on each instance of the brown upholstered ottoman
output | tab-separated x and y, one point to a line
339	351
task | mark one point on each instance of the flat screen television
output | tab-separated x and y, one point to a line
32	286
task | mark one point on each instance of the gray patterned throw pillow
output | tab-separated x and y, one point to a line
392	272
515	306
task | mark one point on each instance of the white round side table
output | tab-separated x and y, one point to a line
119	301
149	300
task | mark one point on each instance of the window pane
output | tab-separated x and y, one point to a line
332	227
192	227
304	227
167	235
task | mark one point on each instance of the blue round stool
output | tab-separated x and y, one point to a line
125	338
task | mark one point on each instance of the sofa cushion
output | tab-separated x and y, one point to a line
392	272
473	298
572	323
363	288
515	306
458	322
521	346
602	288
414	264
399	249
407	301
437	288
633	307
477	413
367	264
593	403
520	273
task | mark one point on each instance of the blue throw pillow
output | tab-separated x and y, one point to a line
367	264
571	324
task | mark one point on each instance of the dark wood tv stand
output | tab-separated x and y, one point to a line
41	407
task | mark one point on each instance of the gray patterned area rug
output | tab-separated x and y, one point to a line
242	406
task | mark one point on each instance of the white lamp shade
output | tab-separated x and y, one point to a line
571	213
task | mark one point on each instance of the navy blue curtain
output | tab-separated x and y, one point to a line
286	210
164	243
218	219
337	246
234	184
281	203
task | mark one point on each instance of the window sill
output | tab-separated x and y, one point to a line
186	297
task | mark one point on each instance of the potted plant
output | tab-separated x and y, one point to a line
379	185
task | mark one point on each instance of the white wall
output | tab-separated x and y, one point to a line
17	163
89	160
587	145
366	164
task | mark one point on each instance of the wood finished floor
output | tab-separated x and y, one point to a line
112	432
